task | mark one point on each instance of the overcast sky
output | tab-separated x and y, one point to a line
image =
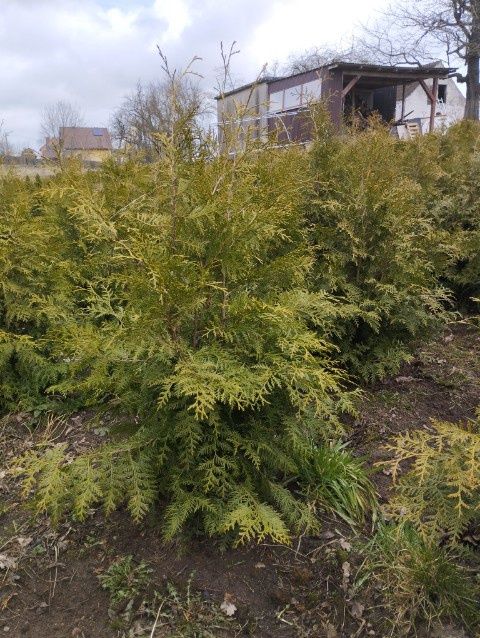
92	52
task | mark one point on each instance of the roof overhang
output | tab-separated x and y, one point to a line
250	85
375	76
372	75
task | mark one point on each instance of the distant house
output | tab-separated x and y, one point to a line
91	144
50	150
424	98
28	156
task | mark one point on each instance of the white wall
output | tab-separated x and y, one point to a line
246	110
446	114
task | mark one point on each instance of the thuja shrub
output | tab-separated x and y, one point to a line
28	275
376	245
446	165
440	492
457	206
185	308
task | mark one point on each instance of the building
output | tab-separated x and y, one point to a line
413	99
50	150
90	144
28	157
416	106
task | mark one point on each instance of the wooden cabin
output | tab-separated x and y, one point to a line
279	104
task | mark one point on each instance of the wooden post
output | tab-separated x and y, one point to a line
433	97
350	85
433	106
403	102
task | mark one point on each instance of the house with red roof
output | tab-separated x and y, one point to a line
90	144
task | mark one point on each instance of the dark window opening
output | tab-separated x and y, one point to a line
442	93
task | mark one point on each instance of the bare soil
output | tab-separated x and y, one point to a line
49	585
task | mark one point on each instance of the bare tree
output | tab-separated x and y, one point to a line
156	108
427	30
5	146
54	117
321	56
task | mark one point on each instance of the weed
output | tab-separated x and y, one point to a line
124	580
176	612
339	482
188	614
418	581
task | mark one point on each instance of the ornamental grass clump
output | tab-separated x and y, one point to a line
417	583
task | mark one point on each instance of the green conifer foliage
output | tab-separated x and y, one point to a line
457	206
446	166
377	247
217	303
181	301
27	276
440	492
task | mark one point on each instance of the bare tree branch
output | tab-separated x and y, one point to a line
55	116
159	108
5	146
428	30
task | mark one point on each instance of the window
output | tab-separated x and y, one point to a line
442	93
295	97
276	102
311	91
292	98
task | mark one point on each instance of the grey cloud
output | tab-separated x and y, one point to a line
62	49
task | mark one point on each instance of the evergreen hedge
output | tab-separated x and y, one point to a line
222	306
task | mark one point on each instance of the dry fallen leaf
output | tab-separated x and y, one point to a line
7	562
346	575
344	544
24	541
227	606
330	631
328	535
357	609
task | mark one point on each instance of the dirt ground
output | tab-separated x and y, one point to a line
49	579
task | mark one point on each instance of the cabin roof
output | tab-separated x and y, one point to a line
372	74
